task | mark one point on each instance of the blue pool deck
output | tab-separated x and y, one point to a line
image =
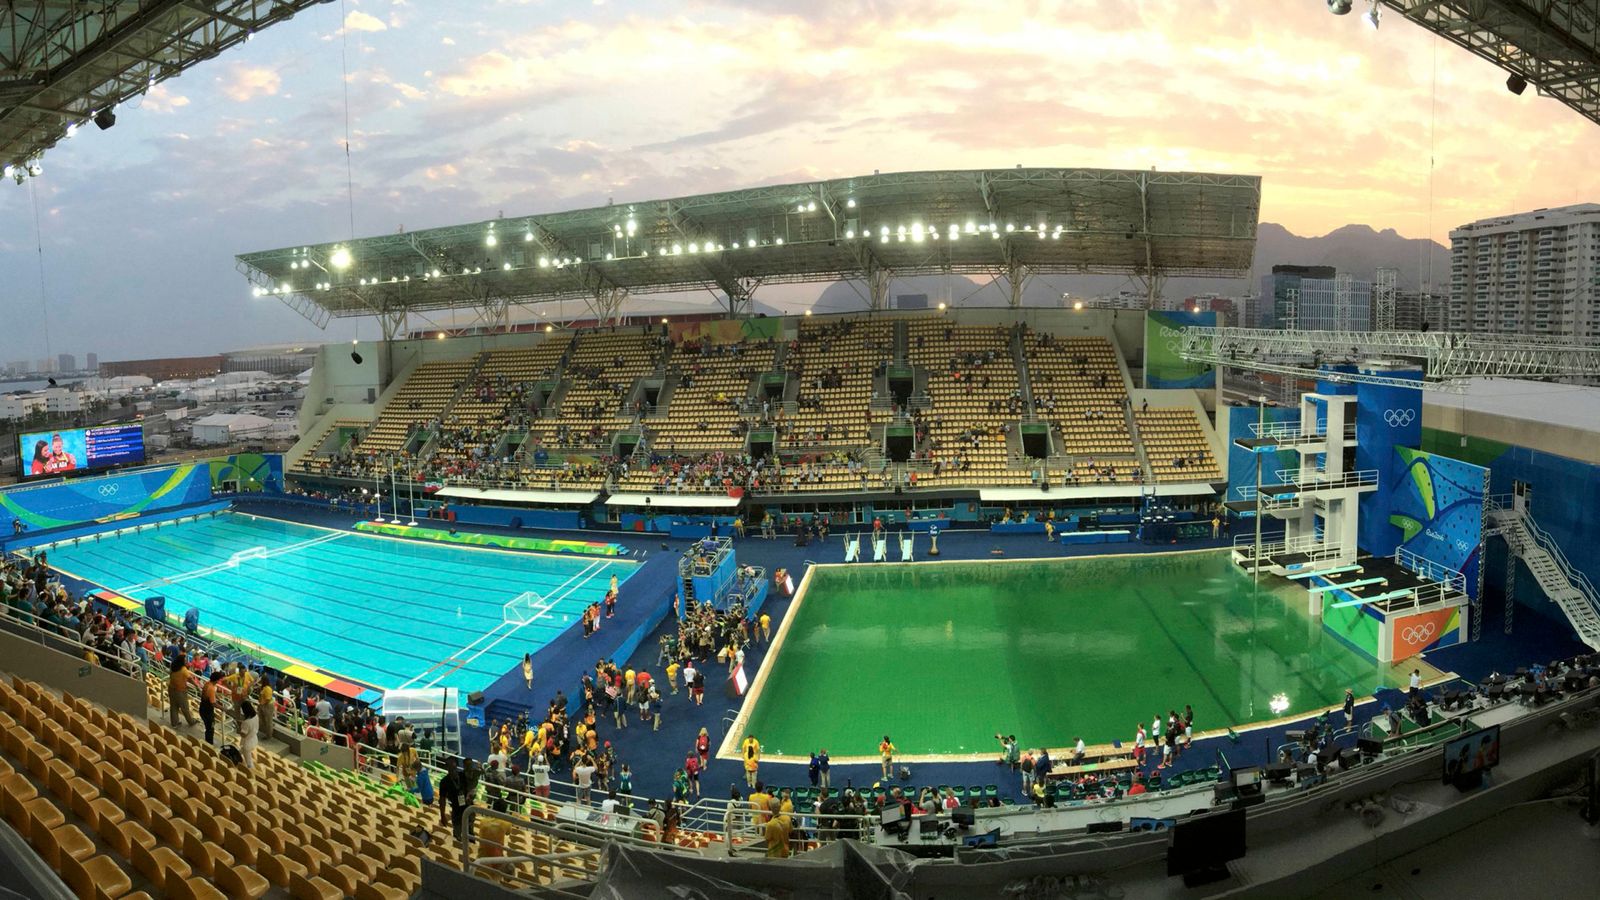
387	612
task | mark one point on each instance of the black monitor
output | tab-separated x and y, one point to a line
964	817
1202	846
1247	780
892	815
1468	757
1369	746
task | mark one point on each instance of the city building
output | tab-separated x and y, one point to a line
19	406
61	400
164	369
92	363
66	362
1280	293
1340	303
1414	310
1531	273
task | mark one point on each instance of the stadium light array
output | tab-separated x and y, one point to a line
340	258
490	240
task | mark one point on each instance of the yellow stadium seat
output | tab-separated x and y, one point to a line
193	889
241	883
303	888
161	865
123	836
95	878
60	843
279	869
377	891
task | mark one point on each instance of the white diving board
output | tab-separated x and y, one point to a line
1342	587
1315	572
1360	601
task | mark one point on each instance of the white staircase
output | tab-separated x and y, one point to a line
1565	585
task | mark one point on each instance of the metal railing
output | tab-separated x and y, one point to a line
1314	482
1417	564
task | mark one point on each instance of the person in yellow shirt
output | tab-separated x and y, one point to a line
750	748
886	751
777	832
178	693
766	628
760	804
672	675
266	709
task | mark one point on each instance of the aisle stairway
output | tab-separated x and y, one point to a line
1566	586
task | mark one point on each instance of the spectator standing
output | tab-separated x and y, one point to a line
178	692
208	706
249	733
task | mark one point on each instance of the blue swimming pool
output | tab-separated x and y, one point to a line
388	612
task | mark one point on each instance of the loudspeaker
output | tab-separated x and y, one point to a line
355	357
105	118
475	698
1516	84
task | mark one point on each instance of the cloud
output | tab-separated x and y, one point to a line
448	41
161	100
360	21
245	82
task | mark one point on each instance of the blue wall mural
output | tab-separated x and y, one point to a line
84	500
1438	508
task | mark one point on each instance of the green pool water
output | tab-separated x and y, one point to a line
940	656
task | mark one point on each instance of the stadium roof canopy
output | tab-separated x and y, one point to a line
64	61
1553	45
1012	222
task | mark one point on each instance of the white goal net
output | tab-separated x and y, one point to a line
526	607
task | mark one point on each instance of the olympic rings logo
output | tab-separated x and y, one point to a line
1399	418
1418	634
108	490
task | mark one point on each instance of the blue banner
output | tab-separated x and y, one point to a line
1387	417
1242	463
1164	367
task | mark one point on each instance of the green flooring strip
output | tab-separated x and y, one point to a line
504	542
941	656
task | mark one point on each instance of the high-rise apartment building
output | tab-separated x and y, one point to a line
66	362
92	363
1532	273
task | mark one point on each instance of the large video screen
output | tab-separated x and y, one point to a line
69	450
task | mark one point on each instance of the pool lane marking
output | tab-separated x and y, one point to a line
479	548
474	657
491	632
234	561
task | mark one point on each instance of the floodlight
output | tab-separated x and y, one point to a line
340	258
1077	304
72	130
812	206
1339	7
850	232
527	237
490	240
10	170
436	273
778	241
506	266
808	312
1371	16
850	203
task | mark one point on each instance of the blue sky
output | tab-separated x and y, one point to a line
459	111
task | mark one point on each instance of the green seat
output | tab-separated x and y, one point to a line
975	792
990	790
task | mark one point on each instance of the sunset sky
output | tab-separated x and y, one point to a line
535	106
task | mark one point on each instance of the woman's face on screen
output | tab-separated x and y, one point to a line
55	443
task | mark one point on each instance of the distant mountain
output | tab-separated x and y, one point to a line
1356	249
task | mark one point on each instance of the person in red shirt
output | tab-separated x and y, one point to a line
691	767
1138	785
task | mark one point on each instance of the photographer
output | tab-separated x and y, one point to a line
1010	753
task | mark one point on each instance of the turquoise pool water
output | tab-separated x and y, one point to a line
388	612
